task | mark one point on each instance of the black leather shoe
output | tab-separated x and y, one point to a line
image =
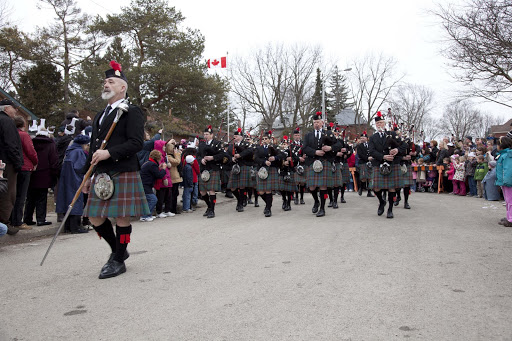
380	211
283	206
370	194
360	191
330	204
296	201
267	212
79	230
211	214
288	207
30	223
11	230
250	202
111	259
205	214
396	202
406	205
44	223
302	202
320	213
342	200
256	204
229	194
390	214
244	202
315	208
112	269
335	205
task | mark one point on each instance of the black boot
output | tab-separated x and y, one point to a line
314	193
370	195
391	197
323	198
406	197
397	198
296	198
116	266
342	195
382	202
256	204
213	200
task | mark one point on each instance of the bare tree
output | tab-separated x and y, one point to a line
372	80
460	119
411	104
431	127
261	82
67	43
480	47
486	121
5	13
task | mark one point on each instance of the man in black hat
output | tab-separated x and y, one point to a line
300	173
365	167
320	146
11	153
119	163
210	155
387	151
241	155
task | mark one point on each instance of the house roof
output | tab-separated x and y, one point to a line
503	128
347	117
4	95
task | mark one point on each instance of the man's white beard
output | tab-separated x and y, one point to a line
106	95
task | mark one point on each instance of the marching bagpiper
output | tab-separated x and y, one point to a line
299	174
387	151
268	159
406	179
210	155
317	144
365	164
241	155
287	172
343	171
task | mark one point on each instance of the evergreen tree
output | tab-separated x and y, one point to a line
339	92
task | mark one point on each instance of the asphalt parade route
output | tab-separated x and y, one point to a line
440	271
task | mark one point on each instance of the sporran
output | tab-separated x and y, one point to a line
103	186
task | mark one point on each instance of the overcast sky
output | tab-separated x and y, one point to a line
344	29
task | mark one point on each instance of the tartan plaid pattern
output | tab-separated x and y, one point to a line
289	186
211	185
241	180
300	179
365	173
338	176
271	183
325	178
406	179
128	199
345	173
386	181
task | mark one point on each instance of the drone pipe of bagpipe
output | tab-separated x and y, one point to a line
122	108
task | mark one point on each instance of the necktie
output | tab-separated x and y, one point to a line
318	135
107	111
366	145
381	134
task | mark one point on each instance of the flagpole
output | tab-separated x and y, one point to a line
228	92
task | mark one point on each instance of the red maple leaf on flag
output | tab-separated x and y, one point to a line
215	62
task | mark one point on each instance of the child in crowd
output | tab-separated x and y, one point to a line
151	171
188	183
470	166
451	172
459	186
491	190
447	184
480	172
421	177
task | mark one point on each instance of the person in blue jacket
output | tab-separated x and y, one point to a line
148	146
504	176
70	179
151	171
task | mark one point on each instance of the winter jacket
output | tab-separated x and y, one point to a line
29	153
451	171
443	153
62	143
149	173
47	171
471	167
147	147
491	191
460	174
175	160
70	179
504	168
11	151
160	145
481	170
188	177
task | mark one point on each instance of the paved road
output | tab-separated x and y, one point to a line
441	271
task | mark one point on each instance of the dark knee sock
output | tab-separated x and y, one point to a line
106	231
122	240
378	194
290	197
256	195
398	196
302	189
336	193
329	192
236	193
406	193
213	201
342	191
206	199
391	198
323	196
314	193
249	193
283	195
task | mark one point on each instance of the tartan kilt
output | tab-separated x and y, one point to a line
271	183
241	180
325	178
128	199
365	173
300	179
406	179
288	186
338	176
345	173
389	181
211	185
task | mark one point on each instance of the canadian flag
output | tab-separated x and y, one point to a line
217	63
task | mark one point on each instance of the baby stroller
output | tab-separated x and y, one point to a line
425	180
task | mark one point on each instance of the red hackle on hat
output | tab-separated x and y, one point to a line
115	65
331	124
379	114
239	130
364	132
285	137
209	126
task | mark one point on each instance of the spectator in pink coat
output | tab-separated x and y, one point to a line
163	186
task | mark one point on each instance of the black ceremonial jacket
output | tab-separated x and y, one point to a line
312	144
262	154
378	148
214	149
363	152
246	153
124	143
